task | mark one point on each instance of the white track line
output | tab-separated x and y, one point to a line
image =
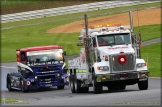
8	67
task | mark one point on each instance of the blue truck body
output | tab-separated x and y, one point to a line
40	74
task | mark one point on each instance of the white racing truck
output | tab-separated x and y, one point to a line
110	57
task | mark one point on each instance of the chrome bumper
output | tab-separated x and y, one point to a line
141	75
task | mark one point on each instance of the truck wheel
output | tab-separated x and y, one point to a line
72	83
110	88
122	87
86	89
9	85
97	87
143	85
23	87
78	87
60	87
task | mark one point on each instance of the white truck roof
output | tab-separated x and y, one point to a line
104	29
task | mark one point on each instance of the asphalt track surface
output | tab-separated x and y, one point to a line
54	97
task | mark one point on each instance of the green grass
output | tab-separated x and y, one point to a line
154	58
13	39
149	32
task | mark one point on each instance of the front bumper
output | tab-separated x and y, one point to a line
39	84
141	75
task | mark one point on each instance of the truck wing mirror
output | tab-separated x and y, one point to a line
86	41
139	38
64	53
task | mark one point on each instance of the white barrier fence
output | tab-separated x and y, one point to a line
68	10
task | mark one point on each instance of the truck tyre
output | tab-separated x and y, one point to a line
72	83
122	87
60	87
143	85
85	89
77	83
78	88
97	87
9	84
23	87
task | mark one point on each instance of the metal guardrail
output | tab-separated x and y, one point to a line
76	17
68	10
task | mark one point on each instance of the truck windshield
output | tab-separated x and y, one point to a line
40	58
113	39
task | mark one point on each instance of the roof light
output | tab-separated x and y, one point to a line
104	25
121	27
91	27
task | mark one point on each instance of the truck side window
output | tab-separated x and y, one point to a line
94	42
23	57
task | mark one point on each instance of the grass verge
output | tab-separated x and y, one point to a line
154	58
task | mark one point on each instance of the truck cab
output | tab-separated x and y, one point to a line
39	67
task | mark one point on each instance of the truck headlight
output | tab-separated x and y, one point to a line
141	64
35	77
58	75
102	68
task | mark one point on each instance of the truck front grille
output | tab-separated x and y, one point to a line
50	68
129	65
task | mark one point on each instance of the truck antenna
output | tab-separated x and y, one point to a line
86	24
138	20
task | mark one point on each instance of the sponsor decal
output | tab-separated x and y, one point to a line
122	59
117	48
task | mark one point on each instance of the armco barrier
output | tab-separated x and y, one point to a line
68	10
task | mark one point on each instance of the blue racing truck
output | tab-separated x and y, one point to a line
39	67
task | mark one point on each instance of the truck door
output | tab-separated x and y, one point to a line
23	58
17	80
92	53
